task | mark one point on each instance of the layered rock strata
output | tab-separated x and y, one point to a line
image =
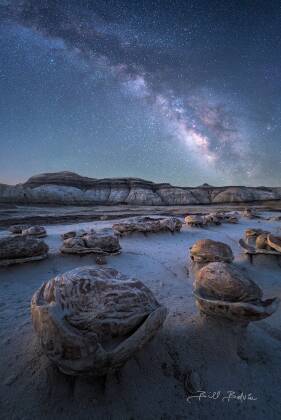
70	188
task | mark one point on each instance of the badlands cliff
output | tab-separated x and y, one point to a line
73	189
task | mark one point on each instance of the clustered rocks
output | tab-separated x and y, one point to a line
222	290
215	218
91	320
258	240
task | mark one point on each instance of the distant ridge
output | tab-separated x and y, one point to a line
70	188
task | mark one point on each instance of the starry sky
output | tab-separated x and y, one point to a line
177	91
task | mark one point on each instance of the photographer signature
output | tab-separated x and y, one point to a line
219	395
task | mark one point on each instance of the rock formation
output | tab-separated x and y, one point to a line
205	251
148	225
195	220
92	242
214	218
17	229
259	242
90	321
20	249
223	290
36	231
70	188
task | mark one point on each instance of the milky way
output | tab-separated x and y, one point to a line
183	92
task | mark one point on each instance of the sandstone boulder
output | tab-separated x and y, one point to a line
195	220
91	243
148	225
206	251
90	321
223	290
20	249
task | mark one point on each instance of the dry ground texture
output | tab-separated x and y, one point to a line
187	355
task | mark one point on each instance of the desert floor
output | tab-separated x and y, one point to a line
189	354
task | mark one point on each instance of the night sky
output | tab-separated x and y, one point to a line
179	91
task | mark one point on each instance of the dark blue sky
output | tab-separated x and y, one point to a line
178	91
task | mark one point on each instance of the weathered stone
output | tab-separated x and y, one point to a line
91	243
252	234
195	220
17	229
212	219
207	250
225	282
231	217
148	225
261	241
68	235
76	233
20	249
258	241
223	290
274	242
250	213
37	231
90	321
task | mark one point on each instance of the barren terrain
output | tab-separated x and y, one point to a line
189	354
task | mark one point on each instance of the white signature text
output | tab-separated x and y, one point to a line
219	395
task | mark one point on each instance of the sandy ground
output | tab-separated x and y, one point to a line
47	214
189	354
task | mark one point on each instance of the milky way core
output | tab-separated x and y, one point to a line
180	92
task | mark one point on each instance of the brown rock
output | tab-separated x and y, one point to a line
90	321
195	220
224	291
207	250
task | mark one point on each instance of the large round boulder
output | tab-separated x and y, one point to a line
225	291
90	321
226	282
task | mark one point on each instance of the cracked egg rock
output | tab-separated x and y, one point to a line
90	321
223	290
207	250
